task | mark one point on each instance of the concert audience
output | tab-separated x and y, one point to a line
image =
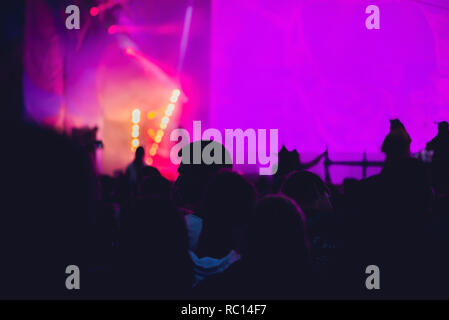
275	264
209	235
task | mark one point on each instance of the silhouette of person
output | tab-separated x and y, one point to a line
52	198
396	145
194	177
155	187
440	161
392	223
134	169
289	161
275	264
227	208
313	197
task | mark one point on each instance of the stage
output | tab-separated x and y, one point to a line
311	70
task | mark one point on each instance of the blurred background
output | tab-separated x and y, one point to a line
137	69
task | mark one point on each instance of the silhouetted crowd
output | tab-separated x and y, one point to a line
216	234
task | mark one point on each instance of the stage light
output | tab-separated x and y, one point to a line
169	110
136	116
149	161
151	115
175	95
129	51
112	29
135	143
94	11
159	135
153	149
135	131
164	122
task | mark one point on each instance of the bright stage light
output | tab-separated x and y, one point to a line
135	143
159	135
129	51
175	95
164	122
94	11
135	131
151	115
170	109
136	116
112	29
153	149
158	139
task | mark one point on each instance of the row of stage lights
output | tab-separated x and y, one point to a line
136	113
157	138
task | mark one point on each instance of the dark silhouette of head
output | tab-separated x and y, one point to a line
156	186
195	171
443	127
307	189
139	155
396	145
227	207
288	161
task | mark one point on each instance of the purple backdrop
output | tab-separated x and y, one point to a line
312	70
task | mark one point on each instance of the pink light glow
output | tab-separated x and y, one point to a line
113	29
94	11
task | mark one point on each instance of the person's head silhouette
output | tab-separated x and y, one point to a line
200	161
396	145
139	155
308	190
443	127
